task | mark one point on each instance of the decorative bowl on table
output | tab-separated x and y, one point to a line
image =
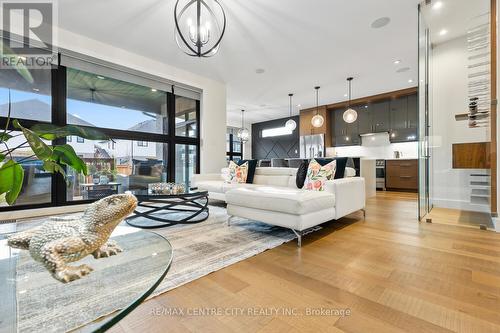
166	188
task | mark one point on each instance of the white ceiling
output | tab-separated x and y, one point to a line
299	43
454	16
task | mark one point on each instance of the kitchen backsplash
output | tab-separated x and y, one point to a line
407	149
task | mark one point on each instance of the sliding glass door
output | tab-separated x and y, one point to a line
424	49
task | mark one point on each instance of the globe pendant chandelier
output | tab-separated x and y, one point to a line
200	26
291	124
318	120
243	133
350	115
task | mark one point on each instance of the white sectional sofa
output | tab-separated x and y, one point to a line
274	198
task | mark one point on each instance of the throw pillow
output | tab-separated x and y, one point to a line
301	174
237	173
318	174
341	165
252	166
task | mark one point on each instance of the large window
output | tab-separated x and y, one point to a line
99	101
186	122
143	121
234	148
186	159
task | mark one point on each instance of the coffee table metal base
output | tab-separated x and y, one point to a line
192	209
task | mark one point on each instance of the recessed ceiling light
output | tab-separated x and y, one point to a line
403	69
345	95
100	77
154	90
437	5
299	105
260	71
443	32
410	81
380	22
397	62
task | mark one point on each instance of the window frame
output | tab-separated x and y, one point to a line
59	118
231	153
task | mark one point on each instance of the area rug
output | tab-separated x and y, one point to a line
198	250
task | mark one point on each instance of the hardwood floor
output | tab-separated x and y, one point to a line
392	273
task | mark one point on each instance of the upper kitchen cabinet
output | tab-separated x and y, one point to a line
381	117
413	111
365	118
344	134
404	119
374	117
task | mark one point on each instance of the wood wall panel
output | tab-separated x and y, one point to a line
471	155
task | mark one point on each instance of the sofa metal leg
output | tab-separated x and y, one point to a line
229	220
299	237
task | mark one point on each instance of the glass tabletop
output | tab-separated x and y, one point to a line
33	301
141	194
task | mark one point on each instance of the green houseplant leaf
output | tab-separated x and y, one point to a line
4	137
12	175
65	154
52	132
52	167
41	150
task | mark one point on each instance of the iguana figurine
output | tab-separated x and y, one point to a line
61	241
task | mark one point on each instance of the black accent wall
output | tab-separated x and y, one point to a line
285	146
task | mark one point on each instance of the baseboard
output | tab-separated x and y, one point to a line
496	223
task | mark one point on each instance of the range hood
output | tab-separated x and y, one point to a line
375	139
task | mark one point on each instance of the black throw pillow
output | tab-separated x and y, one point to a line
301	174
252	165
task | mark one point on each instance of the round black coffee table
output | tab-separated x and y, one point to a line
163	210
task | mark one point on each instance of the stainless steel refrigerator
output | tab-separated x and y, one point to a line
312	146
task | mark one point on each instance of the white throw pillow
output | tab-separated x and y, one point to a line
317	175
237	174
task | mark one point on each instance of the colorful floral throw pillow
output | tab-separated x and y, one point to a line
317	175
237	174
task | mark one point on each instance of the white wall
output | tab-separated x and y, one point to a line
450	96
213	105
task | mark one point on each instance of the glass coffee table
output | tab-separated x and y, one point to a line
163	210
32	301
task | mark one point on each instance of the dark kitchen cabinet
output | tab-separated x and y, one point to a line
404	119
381	117
413	111
399	112
398	116
365	118
374	118
344	134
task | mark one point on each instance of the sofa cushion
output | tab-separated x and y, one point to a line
280	199
252	166
210	185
